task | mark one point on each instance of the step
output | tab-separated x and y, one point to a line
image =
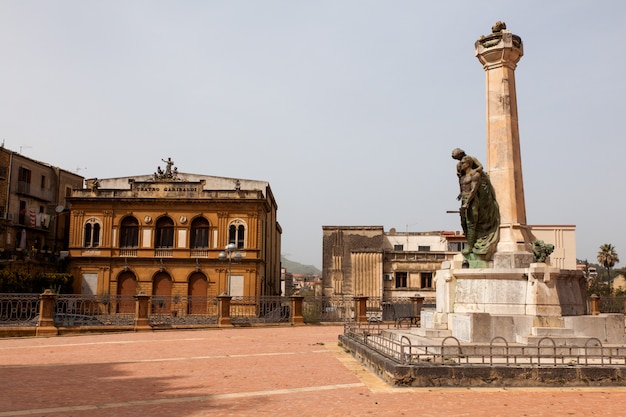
551	331
431	333
558	341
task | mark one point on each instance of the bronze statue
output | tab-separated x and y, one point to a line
480	214
458	153
542	250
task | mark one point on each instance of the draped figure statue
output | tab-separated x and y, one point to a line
480	214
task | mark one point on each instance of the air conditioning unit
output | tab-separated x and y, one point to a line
388	277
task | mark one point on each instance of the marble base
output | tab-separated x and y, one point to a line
521	305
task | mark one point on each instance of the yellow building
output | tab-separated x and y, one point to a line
162	234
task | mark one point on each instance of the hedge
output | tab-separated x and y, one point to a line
22	282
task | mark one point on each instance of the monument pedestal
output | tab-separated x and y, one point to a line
521	305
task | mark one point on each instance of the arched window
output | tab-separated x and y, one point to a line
199	233
237	234
164	237
129	233
91	234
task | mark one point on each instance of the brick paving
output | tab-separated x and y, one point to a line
276	371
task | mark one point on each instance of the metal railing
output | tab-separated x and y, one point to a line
73	310
498	352
262	309
19	309
612	304
183	310
327	309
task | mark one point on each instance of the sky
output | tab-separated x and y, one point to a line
348	108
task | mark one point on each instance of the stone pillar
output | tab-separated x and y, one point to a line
223	318
595	305
45	324
142	312
499	54
360	309
296	310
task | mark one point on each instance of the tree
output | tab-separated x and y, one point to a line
608	258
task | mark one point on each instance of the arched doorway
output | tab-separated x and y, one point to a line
197	291
126	290
161	293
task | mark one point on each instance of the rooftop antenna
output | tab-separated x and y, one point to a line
21	147
407	234
78	169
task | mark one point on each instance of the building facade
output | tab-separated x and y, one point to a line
162	234
366	260
563	237
34	211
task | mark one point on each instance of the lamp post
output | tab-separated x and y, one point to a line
229	254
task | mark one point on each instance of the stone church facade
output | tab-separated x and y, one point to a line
162	234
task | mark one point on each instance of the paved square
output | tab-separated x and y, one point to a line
272	371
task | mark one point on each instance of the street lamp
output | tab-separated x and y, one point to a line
229	254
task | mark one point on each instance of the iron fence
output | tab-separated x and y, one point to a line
183	310
19	309
327	309
342	309
403	350
612	304
261	309
74	310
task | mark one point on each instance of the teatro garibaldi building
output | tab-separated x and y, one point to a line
165	234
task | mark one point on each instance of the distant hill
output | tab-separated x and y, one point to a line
298	268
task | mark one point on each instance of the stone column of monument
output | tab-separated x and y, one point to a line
499	54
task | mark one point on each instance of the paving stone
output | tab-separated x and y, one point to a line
273	371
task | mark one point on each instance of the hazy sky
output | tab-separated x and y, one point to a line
348	108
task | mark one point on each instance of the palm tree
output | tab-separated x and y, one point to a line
608	257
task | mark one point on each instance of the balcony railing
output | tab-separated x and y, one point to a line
163	253
128	253
199	253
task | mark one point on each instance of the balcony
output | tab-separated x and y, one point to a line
163	253
199	253
128	253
